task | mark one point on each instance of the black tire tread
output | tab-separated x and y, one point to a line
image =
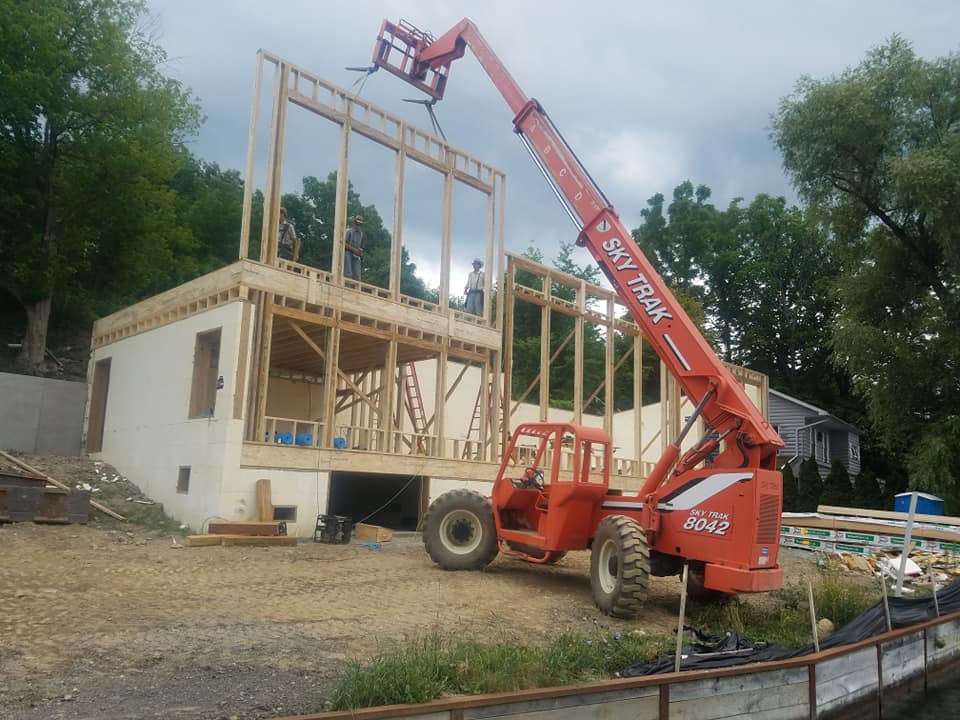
634	570
454	500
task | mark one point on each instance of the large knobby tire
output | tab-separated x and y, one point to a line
459	531
619	566
553	556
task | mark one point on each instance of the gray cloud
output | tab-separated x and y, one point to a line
648	94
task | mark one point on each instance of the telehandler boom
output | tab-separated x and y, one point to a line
716	507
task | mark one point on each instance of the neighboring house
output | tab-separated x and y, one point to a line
809	431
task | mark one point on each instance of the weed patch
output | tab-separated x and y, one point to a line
785	617
432	667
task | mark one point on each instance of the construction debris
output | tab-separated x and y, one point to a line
372	533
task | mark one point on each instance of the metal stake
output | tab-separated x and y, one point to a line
906	543
683	612
813	617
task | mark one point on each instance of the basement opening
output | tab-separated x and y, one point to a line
396	501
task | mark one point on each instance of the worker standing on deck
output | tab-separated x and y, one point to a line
353	249
474	289
288	245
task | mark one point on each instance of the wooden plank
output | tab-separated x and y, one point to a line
29	468
264	500
260	541
243	527
840	680
396	237
374	533
243	358
204	540
887	515
868	527
902	658
251	157
545	359
630	704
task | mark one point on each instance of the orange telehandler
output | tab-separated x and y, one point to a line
715	507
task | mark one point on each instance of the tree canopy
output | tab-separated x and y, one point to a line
90	136
875	151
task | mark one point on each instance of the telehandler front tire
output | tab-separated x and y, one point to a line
459	531
619	566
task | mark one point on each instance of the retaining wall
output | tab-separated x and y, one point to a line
862	680
41	416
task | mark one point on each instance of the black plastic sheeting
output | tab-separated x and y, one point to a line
719	651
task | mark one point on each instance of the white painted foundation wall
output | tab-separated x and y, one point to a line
148	434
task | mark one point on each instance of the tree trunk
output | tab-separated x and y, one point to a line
38	311
35	339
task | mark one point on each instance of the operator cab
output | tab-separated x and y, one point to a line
550	504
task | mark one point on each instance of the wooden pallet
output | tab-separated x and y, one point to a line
255	540
243	527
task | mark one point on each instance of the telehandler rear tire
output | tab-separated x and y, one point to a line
459	531
619	566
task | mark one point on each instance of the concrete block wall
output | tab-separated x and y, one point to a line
41	415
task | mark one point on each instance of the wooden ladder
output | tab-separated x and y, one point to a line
475	419
413	400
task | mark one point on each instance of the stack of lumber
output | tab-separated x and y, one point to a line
242	532
868	532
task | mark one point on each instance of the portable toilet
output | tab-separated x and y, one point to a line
926	504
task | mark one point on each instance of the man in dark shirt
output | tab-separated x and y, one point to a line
353	249
288	245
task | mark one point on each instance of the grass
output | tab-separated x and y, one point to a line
433	667
783	617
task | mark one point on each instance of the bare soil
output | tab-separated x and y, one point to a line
105	621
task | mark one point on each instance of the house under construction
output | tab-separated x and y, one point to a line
351	398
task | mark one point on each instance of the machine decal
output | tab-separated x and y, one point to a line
676	351
697	492
639	285
706	521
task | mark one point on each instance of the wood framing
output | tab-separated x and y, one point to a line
555	292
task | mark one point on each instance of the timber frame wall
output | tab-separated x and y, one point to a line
364	342
601	307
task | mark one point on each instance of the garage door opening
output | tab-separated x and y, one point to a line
395	501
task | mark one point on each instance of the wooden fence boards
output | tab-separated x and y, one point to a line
777	695
631	704
845	679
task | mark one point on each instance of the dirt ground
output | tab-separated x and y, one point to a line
101	623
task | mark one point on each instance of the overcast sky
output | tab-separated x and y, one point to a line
648	94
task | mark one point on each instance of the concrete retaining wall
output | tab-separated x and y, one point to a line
40	415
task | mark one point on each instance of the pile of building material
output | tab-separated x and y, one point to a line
868	532
243	532
872	542
27	495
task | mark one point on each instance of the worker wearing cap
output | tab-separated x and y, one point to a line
474	289
288	245
353	249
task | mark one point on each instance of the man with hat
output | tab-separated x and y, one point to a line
353	249
474	289
288	245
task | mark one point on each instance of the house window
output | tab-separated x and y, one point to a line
821	448
855	451
183	480
285	513
206	368
98	405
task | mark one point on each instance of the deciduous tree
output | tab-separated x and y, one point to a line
90	136
876	151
